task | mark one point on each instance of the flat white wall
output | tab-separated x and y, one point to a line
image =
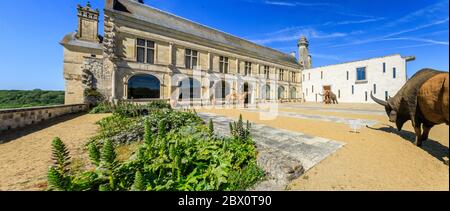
336	77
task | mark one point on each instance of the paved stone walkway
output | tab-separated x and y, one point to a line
340	110
348	121
281	149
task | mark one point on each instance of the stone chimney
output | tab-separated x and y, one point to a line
88	23
293	54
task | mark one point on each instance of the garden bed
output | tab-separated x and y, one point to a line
168	151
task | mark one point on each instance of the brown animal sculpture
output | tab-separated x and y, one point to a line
329	97
423	100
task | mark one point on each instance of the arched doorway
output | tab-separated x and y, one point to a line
144	87
293	93
190	89
266	91
281	91
222	90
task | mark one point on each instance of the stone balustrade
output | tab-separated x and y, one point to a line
18	118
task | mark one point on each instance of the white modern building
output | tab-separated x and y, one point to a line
352	82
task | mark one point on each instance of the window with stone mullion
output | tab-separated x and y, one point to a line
191	59
223	66
145	51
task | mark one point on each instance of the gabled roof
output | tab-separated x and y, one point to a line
157	17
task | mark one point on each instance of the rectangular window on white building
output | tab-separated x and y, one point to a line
353	89
339	94
312	89
386	95
384	67
348	76
361	74
394	72
367	97
374	89
321	75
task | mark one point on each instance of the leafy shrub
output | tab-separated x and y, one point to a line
58	178
102	108
184	156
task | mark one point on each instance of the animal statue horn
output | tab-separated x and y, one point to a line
381	102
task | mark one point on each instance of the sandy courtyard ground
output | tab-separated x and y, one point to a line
378	158
25	159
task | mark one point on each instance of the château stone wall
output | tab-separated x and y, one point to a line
22	117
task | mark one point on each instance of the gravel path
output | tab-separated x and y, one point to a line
26	155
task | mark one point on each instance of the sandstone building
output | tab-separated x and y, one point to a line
149	54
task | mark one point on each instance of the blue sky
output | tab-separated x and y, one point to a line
339	31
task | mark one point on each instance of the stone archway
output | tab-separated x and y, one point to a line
281	92
189	89
221	90
293	93
144	86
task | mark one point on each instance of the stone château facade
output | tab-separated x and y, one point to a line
149	54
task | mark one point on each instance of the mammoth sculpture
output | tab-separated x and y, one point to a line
423	100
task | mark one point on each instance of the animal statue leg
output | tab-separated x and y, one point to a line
426	132
418	131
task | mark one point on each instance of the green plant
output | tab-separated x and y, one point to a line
211	127
239	131
103	107
138	184
94	154
147	133
108	155
58	178
184	156
60	156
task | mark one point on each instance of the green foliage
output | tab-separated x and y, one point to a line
130	109
94	154
239	131
211	127
93	93
147	132
138	182
60	156
184	156
56	180
103	108
21	99
108	155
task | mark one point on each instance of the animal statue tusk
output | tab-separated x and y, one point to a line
381	102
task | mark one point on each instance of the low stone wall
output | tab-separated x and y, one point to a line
18	118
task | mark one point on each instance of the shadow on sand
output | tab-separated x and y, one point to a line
12	135
433	147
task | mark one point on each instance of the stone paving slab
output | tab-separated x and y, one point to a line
348	121
339	110
288	146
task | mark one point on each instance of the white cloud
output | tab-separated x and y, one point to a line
430	12
359	21
294	33
295	4
391	35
